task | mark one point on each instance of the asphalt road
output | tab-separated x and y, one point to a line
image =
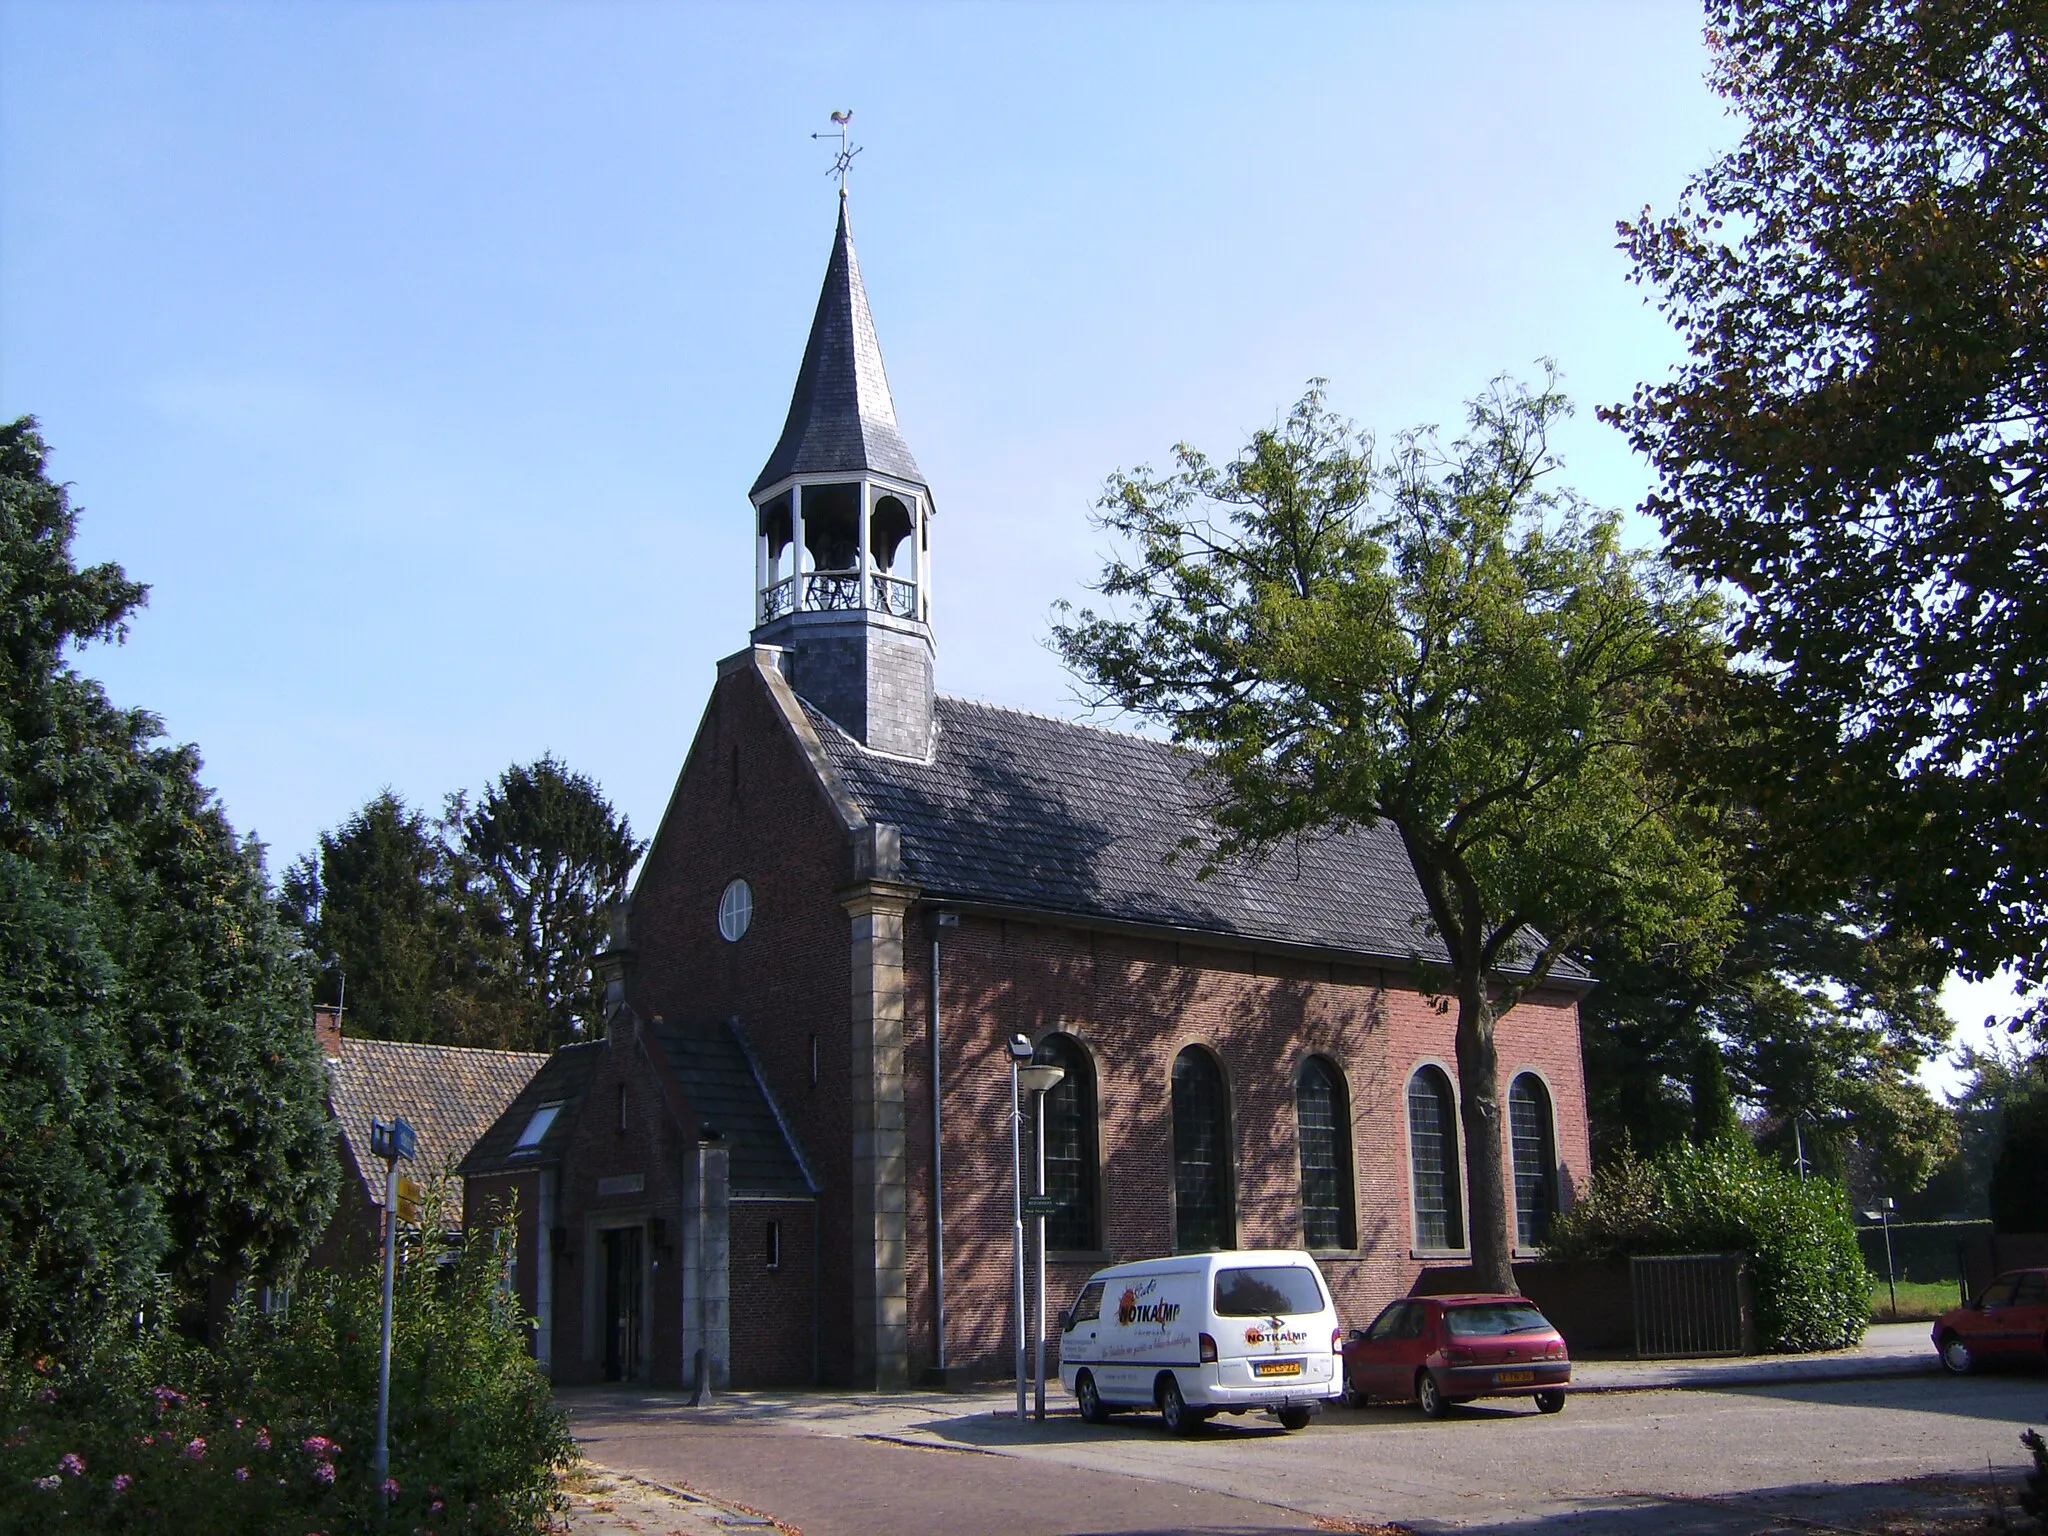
1717	1462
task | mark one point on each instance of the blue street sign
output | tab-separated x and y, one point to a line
393	1139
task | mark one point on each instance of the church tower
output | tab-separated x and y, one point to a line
841	513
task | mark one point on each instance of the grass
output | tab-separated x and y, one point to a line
1919	1301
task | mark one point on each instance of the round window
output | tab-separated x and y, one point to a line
735	910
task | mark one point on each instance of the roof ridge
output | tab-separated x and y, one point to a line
1079	725
435	1045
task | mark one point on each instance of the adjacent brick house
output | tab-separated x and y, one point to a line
861	890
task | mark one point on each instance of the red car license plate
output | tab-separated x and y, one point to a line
1276	1368
1512	1378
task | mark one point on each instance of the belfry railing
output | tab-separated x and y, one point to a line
840	592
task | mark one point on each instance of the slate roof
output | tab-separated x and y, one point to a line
1022	810
451	1095
841	416
718	1080
728	1096
562	1079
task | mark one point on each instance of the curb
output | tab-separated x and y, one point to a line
1767	1376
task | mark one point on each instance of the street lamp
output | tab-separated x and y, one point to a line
1020	1053
1038	1081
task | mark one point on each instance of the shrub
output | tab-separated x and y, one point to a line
275	1428
1812	1289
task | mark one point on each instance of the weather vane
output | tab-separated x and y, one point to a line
847	149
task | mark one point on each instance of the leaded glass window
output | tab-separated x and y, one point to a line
1433	1158
1531	1138
1201	1154
1070	1145
1322	1115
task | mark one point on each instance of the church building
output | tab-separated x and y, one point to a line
787	1158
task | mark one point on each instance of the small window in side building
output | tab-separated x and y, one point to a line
622	1109
537	1127
814	1061
771	1247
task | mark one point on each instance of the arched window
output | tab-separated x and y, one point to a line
1322	1114
1532	1138
1433	1156
1070	1145
1202	1217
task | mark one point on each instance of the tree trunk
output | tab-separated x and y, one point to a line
1479	1112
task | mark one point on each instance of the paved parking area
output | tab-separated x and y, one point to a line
1857	1455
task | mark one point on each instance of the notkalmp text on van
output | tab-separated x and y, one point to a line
1202	1334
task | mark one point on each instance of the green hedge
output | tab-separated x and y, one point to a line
274	1430
1812	1290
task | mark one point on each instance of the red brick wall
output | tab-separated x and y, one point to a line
485	1201
1134	1004
747	805
771	1308
355	1233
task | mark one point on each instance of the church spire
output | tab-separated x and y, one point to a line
841	417
842	518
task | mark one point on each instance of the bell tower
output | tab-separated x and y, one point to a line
841	516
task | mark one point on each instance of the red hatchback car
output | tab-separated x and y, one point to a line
2008	1321
1440	1350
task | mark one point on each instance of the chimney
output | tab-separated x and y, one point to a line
327	1030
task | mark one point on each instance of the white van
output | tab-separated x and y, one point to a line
1202	1334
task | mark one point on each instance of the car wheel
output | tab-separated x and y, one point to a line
1430	1397
1353	1397
1955	1355
1293	1418
1551	1401
1093	1409
1174	1411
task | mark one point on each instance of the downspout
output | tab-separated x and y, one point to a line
939	920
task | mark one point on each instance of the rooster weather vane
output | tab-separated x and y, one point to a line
847	149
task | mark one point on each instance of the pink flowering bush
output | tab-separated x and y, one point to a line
274	1429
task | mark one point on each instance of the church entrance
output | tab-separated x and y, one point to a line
623	1295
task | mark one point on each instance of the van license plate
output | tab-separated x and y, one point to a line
1512	1378
1276	1368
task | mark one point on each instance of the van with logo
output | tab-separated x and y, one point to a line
1202	1334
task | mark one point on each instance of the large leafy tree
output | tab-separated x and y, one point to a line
479	927
554	856
1448	643
411	947
162	1105
1811	1018
1857	445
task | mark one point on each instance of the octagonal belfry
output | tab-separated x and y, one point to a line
842	517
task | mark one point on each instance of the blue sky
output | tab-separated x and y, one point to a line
420	355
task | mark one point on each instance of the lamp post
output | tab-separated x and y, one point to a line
1038	1081
1883	1213
1020	1053
394	1141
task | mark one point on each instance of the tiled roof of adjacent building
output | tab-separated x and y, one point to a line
1052	816
449	1094
562	1081
841	416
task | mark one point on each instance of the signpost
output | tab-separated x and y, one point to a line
1041	1206
394	1141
